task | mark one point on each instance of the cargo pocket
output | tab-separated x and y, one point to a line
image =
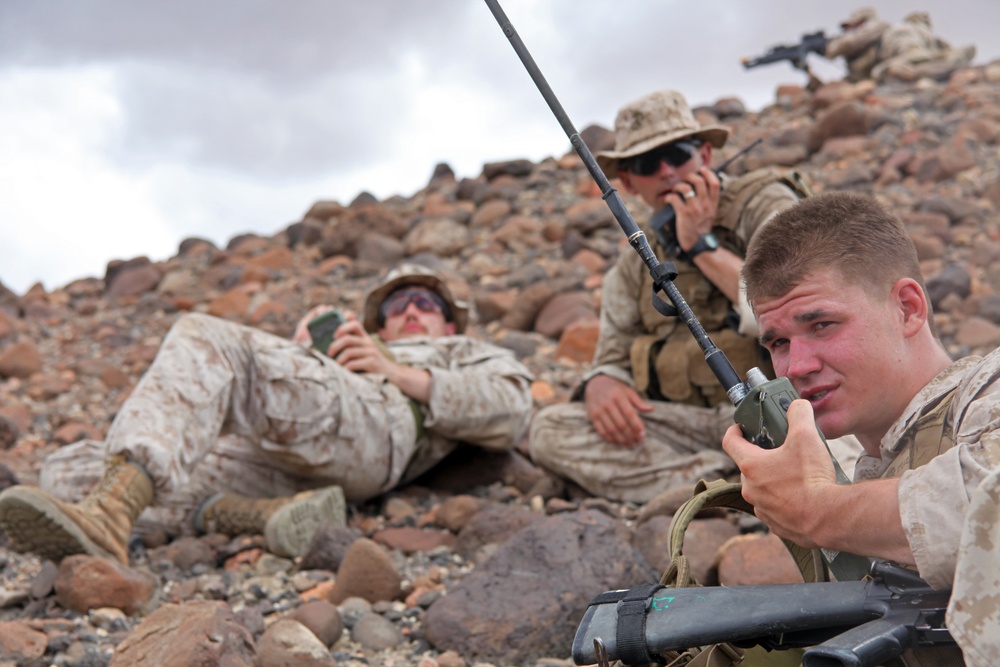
300	395
672	367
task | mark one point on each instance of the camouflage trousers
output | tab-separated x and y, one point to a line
683	444
225	407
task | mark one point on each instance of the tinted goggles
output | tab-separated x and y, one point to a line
647	164
424	299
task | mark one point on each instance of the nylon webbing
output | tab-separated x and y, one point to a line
630	632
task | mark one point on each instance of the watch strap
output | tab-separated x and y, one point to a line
706	243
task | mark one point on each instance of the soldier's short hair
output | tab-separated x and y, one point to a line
851	233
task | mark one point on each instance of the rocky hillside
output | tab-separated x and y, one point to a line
487	560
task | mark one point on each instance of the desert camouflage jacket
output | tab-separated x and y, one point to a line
480	394
934	498
625	310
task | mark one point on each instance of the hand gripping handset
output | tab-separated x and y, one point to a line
760	403
322	328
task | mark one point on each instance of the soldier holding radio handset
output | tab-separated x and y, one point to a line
650	415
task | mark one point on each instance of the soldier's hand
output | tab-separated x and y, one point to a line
301	335
613	408
696	203
354	349
786	485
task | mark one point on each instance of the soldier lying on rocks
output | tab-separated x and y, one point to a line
872	49
652	414
842	307
370	414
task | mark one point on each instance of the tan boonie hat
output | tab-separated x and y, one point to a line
859	16
655	120
412	274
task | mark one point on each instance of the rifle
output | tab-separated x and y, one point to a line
761	406
850	623
814	42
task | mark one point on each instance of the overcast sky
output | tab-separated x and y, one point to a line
127	126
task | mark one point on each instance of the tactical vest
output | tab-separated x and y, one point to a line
667	363
931	435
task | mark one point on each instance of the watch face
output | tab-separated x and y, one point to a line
711	242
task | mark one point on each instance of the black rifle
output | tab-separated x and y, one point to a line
814	42
854	623
760	410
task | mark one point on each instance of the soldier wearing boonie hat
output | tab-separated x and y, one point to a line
235	430
652	414
415	275
859	43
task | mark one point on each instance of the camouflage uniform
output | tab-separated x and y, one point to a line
974	613
945	448
910	51
296	418
659	357
859	45
952	463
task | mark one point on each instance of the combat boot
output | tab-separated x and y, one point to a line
39	523
288	524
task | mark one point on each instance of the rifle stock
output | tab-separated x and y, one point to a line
851	623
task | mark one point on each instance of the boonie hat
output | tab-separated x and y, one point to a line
412	274
654	120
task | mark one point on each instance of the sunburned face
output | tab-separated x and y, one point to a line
842	349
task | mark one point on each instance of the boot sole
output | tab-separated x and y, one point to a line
291	528
36	525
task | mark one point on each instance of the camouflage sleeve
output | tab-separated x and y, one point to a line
974	610
934	499
620	319
483	397
856	41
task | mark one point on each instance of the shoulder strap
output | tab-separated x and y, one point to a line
729	495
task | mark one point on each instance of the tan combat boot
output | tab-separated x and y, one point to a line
99	525
288	524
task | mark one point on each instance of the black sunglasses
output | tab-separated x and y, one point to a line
648	163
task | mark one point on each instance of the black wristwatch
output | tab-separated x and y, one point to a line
707	243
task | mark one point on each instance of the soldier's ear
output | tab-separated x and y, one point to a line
912	304
626	180
706	153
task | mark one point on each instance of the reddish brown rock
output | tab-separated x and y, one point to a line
21	643
20	360
454	513
87	582
194	633
230	305
322	618
367	572
579	341
411	540
563	310
749	560
491	213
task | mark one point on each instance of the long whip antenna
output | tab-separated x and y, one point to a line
663	273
